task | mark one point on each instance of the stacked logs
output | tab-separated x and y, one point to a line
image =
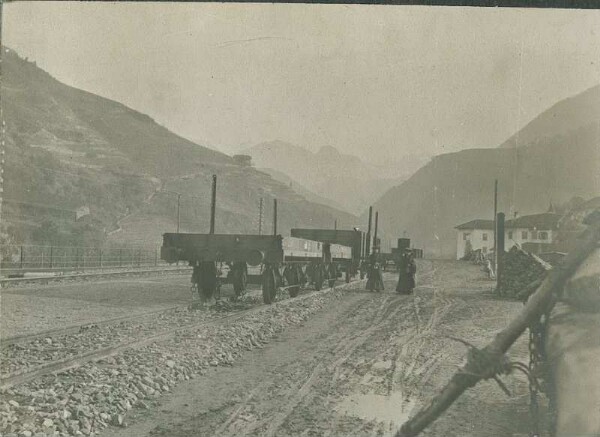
522	274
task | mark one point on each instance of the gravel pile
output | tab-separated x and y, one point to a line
84	400
523	272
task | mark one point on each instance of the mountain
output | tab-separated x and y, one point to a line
346	179
558	158
565	116
82	169
299	188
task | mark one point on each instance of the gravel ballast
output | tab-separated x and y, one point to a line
86	399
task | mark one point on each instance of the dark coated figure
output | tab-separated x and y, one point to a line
374	275
407	269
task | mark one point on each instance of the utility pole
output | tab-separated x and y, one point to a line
368	242
335	225
495	240
213	204
260	216
274	216
178	214
375	235
500	250
2	162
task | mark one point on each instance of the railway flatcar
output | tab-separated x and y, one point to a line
353	239
280	261
293	260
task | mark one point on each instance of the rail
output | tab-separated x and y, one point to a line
20	377
46	278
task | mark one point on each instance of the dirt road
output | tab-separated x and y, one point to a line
359	368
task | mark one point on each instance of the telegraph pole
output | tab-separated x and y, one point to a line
213	204
368	242
274	216
496	225
260	216
178	214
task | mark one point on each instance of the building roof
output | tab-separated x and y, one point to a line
543	221
477	224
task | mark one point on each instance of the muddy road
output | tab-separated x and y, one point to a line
360	367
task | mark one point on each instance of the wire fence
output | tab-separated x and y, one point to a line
31	258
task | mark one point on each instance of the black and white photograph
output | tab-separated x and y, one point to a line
232	219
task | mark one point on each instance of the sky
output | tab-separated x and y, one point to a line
372	80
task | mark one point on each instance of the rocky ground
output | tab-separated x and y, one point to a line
337	362
31	308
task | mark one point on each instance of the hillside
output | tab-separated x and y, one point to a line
346	180
563	117
299	188
458	187
67	149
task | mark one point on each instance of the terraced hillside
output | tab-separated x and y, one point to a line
70	152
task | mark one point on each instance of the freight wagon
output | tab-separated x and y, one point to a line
279	260
353	239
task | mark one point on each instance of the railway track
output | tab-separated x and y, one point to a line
57	366
18	339
4	282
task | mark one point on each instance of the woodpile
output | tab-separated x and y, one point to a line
522	273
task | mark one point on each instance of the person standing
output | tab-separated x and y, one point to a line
374	275
407	269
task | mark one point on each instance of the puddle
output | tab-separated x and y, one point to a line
393	409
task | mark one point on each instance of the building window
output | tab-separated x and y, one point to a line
534	235
510	235
484	236
524	235
465	236
543	235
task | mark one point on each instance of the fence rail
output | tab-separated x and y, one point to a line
29	258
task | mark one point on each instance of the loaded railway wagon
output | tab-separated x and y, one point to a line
289	260
354	239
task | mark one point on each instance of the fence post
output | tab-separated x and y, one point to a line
77	258
155	257
120	257
51	257
100	259
22	256
139	257
83	259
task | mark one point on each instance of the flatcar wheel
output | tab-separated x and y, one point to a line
268	285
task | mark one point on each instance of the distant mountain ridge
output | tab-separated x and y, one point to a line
558	157
67	148
344	179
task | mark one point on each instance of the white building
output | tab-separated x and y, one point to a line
534	233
